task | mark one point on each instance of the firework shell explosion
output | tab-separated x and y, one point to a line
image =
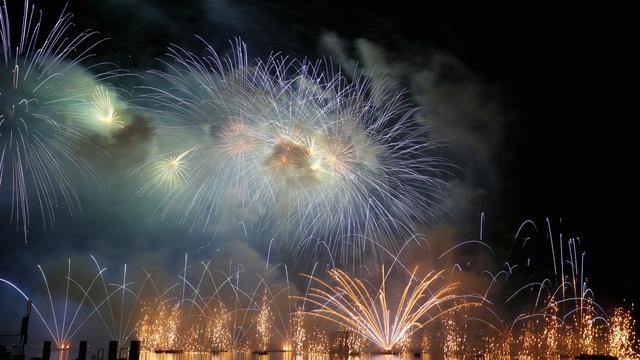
291	145
49	105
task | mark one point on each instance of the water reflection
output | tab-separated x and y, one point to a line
275	355
60	354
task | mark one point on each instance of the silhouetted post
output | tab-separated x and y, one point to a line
134	350
82	353
113	350
24	329
46	350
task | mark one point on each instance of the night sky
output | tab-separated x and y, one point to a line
530	100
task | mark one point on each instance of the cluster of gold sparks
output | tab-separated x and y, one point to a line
298	332
159	326
550	335
169	172
373	318
263	324
163	327
349	316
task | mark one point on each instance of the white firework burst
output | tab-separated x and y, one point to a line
48	105
292	146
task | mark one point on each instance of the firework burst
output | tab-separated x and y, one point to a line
168	172
105	105
293	146
48	106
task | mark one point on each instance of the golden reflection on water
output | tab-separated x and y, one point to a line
276	355
60	354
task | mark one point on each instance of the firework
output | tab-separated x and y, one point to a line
552	330
454	339
350	303
318	342
197	336
105	106
158	329
120	302
48	106
263	324
219	329
425	344
188	314
356	343
168	172
560	317
291	145
298	332
622	341
213	311
62	315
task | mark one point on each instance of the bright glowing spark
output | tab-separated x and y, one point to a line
167	174
104	109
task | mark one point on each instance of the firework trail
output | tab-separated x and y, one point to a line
62	315
210	311
556	316
352	304
290	145
49	104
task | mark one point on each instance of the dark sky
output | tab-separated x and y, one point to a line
556	74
